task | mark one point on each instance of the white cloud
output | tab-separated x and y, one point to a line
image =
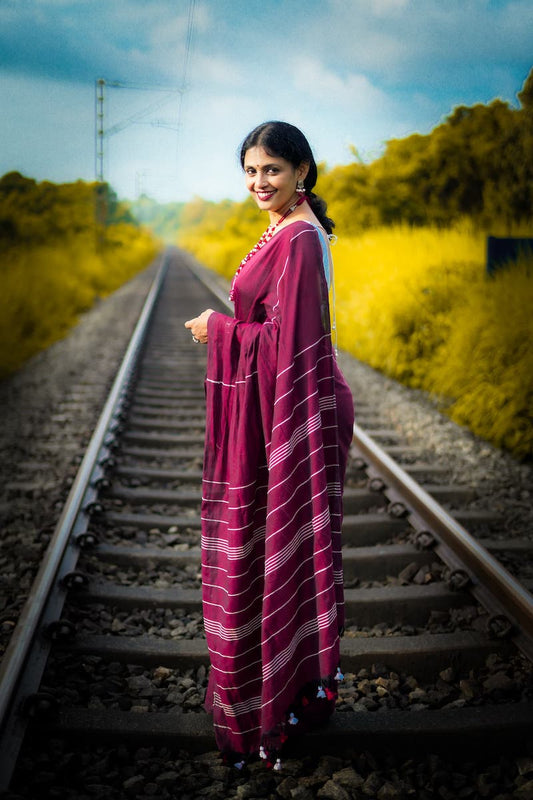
426	41
354	90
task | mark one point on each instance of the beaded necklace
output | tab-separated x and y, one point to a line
267	235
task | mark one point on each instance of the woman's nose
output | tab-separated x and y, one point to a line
261	179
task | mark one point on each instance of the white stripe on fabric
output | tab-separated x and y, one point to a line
297	668
300	353
246	377
213	603
310	628
235	710
248	524
312	598
295	406
311	425
220	383
302	376
275	307
233	552
213	500
225	590
244	505
214	519
236	733
307	531
231	634
231	657
297	489
298	465
289	522
245	486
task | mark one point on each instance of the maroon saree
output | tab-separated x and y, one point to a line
279	424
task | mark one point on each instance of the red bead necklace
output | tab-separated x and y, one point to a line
267	235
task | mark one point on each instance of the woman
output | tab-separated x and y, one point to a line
279	424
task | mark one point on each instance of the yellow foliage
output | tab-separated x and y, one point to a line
492	339
221	242
45	287
416	304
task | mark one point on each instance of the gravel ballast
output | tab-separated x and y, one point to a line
49	410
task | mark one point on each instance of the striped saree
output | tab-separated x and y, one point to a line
279	424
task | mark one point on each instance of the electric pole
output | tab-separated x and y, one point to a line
99	130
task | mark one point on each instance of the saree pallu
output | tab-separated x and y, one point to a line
279	424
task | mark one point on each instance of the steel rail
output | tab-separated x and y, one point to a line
506	591
27	629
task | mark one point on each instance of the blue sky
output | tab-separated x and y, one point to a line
348	72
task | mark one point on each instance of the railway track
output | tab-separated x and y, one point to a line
438	643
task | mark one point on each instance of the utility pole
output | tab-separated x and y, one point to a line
99	130
101	195
101	133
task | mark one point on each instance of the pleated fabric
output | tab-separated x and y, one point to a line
279	424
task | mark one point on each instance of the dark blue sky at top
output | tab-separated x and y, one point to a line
353	72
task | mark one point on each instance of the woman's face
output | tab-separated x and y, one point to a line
271	179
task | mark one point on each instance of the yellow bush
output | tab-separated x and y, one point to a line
46	287
396	288
221	242
417	305
486	364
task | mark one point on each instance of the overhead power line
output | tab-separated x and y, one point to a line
170	92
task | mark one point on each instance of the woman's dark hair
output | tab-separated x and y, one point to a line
288	142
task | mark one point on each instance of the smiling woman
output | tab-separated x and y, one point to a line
279	424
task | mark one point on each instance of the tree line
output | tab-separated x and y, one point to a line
477	164
33	212
63	246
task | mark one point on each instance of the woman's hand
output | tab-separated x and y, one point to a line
198	325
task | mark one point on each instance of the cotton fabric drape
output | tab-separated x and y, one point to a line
279	424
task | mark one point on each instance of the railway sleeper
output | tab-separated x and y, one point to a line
357	529
154	474
167	406
146	413
171	454
182	423
354	499
423	655
164	376
493	728
365	563
176	393
167	440
407	605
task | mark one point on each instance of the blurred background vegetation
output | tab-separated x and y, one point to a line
58	260
414	299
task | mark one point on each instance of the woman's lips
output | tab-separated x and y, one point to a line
265	195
